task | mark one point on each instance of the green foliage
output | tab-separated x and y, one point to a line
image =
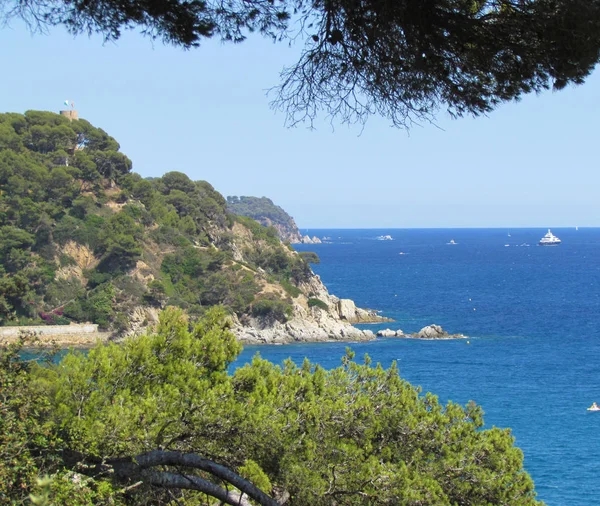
198	279
310	257
70	488
271	310
259	232
353	435
317	303
292	290
27	443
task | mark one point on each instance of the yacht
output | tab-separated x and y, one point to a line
452	242
549	240
385	238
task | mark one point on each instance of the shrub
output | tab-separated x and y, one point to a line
310	257
272	310
317	303
292	290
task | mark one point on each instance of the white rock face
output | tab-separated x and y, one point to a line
308	240
435	332
347	310
140	318
299	329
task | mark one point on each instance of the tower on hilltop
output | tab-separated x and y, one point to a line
70	113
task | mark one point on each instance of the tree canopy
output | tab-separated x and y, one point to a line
402	59
157	420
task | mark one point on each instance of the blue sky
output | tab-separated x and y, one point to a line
205	112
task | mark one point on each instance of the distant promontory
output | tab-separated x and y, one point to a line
263	210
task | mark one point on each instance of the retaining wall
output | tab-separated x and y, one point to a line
51	330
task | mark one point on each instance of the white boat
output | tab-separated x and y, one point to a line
549	240
594	407
385	238
452	242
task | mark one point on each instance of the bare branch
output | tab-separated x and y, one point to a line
141	467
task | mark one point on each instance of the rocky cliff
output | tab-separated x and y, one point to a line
316	315
329	320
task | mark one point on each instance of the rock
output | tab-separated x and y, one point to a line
386	333
140	319
308	240
435	332
346	310
369	316
327	328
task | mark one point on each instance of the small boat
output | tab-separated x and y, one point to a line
549	240
594	407
452	242
385	238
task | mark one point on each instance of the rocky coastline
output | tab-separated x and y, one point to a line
429	332
333	321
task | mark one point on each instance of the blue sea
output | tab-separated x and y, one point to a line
532	317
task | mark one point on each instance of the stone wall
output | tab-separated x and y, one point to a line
50	330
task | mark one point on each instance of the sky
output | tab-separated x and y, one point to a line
205	112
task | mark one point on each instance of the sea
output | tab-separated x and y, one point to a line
532	317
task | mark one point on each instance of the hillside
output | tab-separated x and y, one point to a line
267	214
85	239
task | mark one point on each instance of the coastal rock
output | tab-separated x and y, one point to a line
435	332
347	310
311	323
308	240
298	330
386	333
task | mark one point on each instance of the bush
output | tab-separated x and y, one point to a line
292	290
310	257
317	303
272	310
268	234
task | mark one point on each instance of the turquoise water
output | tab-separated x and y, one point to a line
532	316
